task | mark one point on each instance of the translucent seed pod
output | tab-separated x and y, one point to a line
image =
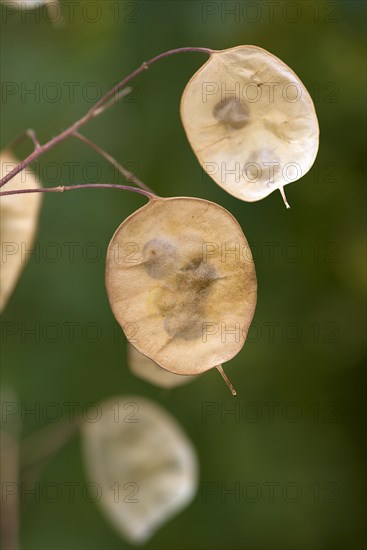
19	219
250	121
186	296
143	463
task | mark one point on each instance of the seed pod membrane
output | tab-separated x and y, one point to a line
189	287
19	218
250	121
143	463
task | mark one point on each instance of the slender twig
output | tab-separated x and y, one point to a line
282	192
92	111
116	99
226	379
128	175
30	133
62	188
145	65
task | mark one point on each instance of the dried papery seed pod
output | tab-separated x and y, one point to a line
148	370
181	272
19	218
143	463
250	121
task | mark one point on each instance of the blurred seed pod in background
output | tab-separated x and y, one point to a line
143	463
19	219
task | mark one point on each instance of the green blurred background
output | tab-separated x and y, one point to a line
305	352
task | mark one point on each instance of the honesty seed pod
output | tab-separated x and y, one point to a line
181	272
143	463
250	121
19	218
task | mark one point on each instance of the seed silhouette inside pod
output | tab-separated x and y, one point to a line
186	294
250	121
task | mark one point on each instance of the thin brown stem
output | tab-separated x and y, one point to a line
92	111
226	379
63	188
144	66
121	94
30	133
128	175
282	192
